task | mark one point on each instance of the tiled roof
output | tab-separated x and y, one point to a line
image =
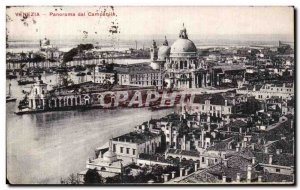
183	152
221	146
272	177
215	99
278	159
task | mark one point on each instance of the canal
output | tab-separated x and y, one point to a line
45	147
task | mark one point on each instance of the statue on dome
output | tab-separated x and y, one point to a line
166	42
183	33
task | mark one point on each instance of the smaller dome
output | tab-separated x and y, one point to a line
154	65
110	156
46	42
163	52
183	46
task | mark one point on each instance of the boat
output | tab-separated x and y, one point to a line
10	76
8	97
156	108
25	81
80	74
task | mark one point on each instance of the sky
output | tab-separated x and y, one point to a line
134	22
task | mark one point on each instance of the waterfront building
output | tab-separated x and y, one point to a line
38	96
107	164
45	44
182	69
128	147
284	91
104	76
141	74
86	94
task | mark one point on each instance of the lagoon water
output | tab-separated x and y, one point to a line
44	147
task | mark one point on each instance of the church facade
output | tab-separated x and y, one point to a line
179	63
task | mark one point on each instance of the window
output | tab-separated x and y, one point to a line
168	135
127	150
203	159
278	170
121	149
133	151
114	148
216	160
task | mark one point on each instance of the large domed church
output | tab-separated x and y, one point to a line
180	63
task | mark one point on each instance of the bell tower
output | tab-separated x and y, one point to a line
153	51
38	95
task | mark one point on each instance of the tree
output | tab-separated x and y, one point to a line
72	179
92	177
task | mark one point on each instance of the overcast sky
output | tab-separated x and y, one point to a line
152	21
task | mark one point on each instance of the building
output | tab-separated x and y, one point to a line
182	69
104	76
141	74
86	94
129	146
284	91
107	164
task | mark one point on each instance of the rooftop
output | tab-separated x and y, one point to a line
135	137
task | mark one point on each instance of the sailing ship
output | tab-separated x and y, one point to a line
8	97
24	81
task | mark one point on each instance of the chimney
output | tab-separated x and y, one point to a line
238	177
226	102
202	138
196	166
278	151
259	179
224	179
270	159
181	172
259	141
266	150
173	174
249	173
241	130
187	171
225	162
253	160
166	177
253	146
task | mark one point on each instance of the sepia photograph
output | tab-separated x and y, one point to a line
150	95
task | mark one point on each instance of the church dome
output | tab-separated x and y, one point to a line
154	65
163	52
110	156
183	46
